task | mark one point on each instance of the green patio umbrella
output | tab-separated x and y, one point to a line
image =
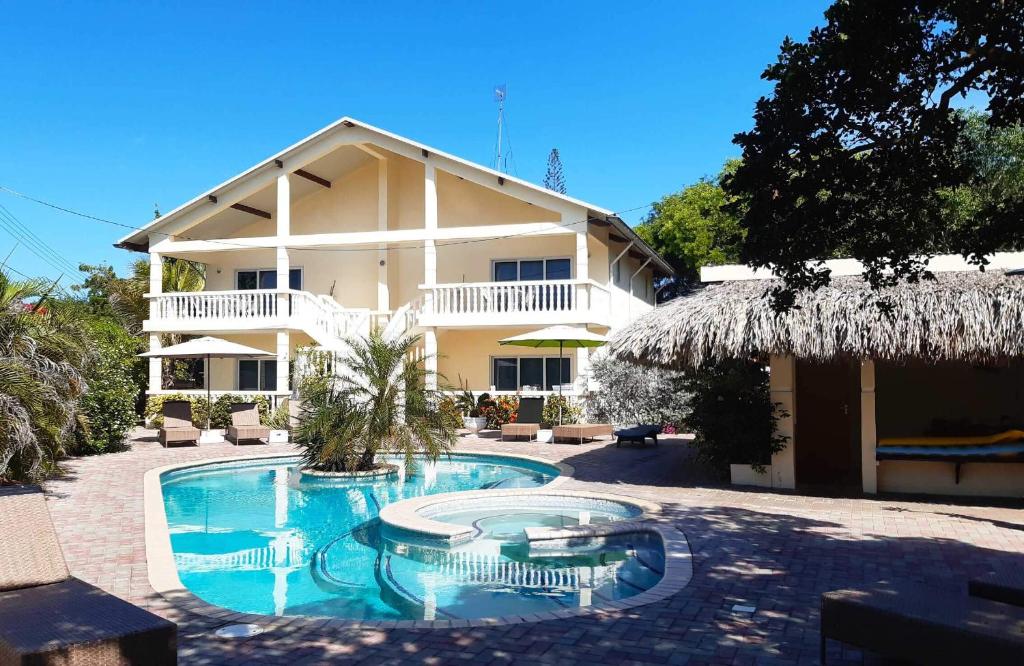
563	337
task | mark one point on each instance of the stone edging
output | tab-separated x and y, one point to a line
406	515
163	572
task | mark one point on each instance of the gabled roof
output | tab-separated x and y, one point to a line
139	239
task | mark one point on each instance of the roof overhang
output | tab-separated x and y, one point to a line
317	144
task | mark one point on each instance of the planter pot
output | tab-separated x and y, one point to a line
211	437
278	437
385	469
474	423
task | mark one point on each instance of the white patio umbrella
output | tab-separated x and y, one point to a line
208	347
563	337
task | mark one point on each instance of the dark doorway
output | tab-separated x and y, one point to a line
827	434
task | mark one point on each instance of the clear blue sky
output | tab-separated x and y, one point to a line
109	110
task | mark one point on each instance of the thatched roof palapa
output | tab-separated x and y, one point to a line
974	317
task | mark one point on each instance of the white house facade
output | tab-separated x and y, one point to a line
355	227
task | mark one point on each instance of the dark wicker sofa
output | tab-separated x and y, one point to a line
49	617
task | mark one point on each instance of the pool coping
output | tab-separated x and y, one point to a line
405	515
163	572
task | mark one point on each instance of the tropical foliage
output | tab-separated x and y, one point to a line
499	411
43	348
375	403
732	415
632	393
861	139
113	375
558	409
693	228
220	416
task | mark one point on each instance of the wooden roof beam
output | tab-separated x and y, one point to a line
252	211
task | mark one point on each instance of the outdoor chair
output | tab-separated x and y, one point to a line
528	419
638	434
923	625
178	425
49	617
581	431
245	424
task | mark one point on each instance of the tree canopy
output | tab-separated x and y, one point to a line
695	227
860	149
554	179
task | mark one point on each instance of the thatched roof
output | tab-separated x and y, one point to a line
970	316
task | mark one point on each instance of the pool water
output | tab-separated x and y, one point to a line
259	537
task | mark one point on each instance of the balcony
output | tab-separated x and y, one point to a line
256	309
535	303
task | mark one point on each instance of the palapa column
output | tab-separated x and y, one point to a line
868	427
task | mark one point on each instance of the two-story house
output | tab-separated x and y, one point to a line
356	227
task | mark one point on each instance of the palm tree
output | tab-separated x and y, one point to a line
375	403
43	345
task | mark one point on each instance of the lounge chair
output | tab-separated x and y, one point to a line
1006	587
638	434
923	625
49	617
581	431
528	419
245	424
178	425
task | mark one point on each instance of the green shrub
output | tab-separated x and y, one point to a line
570	413
220	415
732	415
108	404
155	406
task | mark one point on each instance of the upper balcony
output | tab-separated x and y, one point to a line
465	305
520	303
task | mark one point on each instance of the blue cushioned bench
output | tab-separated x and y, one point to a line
638	434
958	455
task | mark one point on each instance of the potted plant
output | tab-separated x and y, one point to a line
279	422
470	407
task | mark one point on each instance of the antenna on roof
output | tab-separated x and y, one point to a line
500	93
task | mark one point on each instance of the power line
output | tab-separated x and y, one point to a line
303	248
33	240
41	250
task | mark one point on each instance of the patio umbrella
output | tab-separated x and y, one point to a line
563	337
208	347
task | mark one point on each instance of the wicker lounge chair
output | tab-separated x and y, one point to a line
581	431
924	625
178	423
245	424
49	617
1006	587
639	434
528	419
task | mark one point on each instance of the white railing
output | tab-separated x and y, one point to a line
545	298
319	315
242	304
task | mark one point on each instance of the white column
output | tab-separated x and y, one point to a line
430	224
156	286
868	427
782	384
284	230
430	357
383	290
582	267
155	364
283	357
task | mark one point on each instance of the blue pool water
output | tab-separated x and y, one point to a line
260	538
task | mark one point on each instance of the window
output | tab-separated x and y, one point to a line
256	375
260	278
512	270
534	373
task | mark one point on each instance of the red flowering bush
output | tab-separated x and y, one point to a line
500	411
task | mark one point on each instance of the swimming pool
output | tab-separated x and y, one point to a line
258	537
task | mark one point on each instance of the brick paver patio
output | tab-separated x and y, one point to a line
774	551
